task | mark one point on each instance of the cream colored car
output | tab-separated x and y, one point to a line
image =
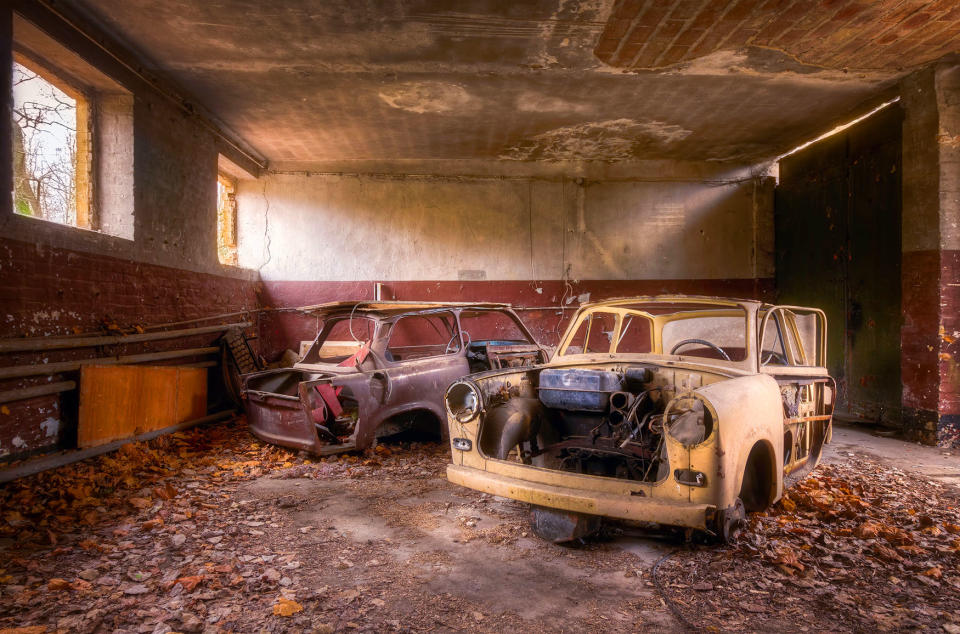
677	410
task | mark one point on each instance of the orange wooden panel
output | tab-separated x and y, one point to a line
120	401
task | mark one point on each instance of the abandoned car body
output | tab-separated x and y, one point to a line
378	368
674	410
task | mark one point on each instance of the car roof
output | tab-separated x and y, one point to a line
389	308
668	299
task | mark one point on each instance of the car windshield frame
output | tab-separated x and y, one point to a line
660	312
509	312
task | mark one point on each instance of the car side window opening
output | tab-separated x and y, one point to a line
773	351
420	336
595	334
340	338
805	344
634	336
490	326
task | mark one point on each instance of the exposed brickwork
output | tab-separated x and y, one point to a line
918	334
881	35
45	290
949	349
279	331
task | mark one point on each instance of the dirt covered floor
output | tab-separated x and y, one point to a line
211	530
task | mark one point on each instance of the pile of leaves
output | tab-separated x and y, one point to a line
40	509
154	537
856	545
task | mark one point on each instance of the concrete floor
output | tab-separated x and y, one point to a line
942	465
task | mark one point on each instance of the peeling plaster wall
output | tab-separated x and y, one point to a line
323	237
355	227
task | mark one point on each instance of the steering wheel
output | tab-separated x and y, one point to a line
772	356
702	342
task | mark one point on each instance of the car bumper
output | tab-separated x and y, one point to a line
281	420
628	507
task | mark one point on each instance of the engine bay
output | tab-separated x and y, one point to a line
606	422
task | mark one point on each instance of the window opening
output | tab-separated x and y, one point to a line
226	220
51	147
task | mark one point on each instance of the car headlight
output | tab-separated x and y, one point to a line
463	401
688	419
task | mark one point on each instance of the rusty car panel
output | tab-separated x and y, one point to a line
686	411
377	368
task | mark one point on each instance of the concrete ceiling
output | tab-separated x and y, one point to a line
309	82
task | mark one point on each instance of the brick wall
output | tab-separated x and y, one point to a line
52	291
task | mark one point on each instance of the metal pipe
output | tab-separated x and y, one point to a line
36	390
51	462
202	364
18	371
34	344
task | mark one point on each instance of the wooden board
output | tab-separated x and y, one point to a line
121	401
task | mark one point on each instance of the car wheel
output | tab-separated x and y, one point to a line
731	521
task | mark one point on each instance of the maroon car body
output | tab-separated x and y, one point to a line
379	368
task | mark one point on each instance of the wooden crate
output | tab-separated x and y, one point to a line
121	401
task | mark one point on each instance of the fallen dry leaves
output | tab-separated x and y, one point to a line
858	545
155	535
135	478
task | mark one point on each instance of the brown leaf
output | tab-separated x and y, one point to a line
189	583
885	552
58	584
149	525
166	492
82	585
868	530
786	556
286	607
934	572
140	503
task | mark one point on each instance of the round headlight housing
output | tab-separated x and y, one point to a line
688	419
463	401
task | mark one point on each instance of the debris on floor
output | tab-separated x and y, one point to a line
859	546
210	530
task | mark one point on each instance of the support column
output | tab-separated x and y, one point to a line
930	335
948	144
